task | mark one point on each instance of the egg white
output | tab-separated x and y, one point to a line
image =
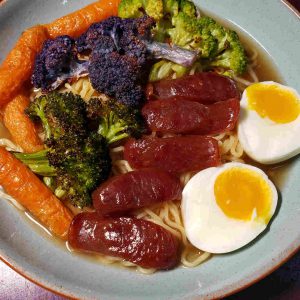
206	225
262	139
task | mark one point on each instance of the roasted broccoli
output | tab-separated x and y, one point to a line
232	58
81	166
79	134
161	10
56	63
157	9
171	8
77	159
218	48
188	33
76	166
136	8
188	8
115	120
59	113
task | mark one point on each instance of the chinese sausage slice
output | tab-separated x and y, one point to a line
139	241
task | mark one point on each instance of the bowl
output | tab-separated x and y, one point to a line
29	250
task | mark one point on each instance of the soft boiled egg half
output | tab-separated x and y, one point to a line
269	125
226	207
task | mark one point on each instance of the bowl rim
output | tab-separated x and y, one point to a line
242	286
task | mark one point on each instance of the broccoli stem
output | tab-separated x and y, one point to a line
37	162
59	192
42	169
49	181
111	139
112	130
37	156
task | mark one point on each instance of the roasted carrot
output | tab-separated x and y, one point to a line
22	184
79	21
18	65
21	128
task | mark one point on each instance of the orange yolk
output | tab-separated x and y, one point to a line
239	192
269	100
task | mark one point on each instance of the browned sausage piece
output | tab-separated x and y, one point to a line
135	189
183	116
174	154
206	88
139	241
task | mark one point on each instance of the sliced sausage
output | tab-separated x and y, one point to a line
205	87
174	154
182	116
138	241
135	189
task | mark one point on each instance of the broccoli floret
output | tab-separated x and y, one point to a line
219	47
136	8
130	9
56	63
80	168
157	9
116	121
74	167
189	34
216	30
162	11
171	7
233	57
77	160
59	113
188	8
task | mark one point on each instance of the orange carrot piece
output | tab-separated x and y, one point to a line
79	21
18	65
21	128
22	184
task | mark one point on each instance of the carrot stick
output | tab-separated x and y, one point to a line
18	65
79	21
19	125
19	182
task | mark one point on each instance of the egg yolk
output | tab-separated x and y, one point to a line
269	100
242	192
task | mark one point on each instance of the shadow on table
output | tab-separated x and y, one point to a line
283	284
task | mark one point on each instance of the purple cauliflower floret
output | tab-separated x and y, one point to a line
118	59
119	51
56	62
119	76
95	34
54	59
120	31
